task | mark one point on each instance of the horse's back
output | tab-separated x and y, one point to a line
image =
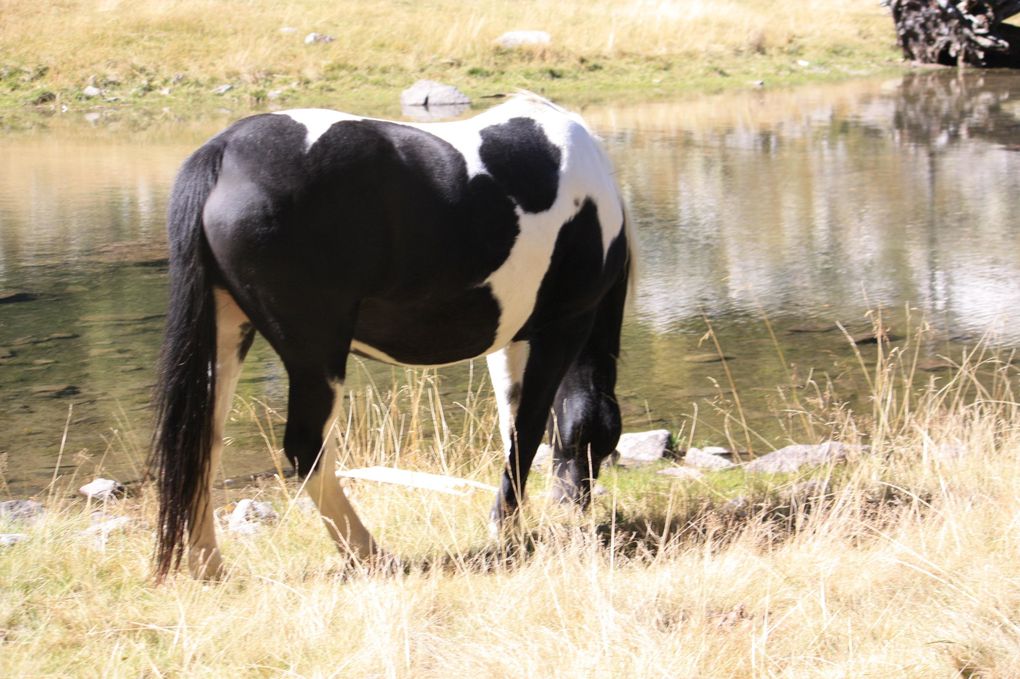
441	234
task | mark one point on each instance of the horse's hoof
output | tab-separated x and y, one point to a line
205	567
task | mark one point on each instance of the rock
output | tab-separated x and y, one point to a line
91	91
102	489
812	327
223	89
706	358
105	525
9	539
874	336
643	447
92	117
20	510
313	38
806	492
15	296
934	364
682	473
56	390
543	456
288	30
708	458
247	515
273	95
520	39
792	458
429	93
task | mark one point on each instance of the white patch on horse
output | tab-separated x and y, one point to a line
506	370
316	121
585	173
342	522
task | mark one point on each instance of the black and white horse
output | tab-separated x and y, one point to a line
416	244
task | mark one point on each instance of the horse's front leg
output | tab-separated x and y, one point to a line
525	377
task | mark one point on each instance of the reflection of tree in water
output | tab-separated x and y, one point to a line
938	109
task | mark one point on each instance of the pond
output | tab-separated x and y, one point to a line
767	222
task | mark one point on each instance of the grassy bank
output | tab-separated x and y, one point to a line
900	563
168	57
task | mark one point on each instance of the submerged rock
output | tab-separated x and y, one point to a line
56	390
15	296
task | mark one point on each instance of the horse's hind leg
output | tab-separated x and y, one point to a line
310	443
233	338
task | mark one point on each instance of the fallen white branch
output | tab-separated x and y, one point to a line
450	485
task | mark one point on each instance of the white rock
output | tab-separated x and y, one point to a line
9	539
249	514
102	489
518	39
313	38
91	91
223	89
641	447
707	458
429	101
288	30
543	456
20	510
107	526
430	93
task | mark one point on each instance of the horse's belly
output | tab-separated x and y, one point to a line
430	331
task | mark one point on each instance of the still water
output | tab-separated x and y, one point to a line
766	218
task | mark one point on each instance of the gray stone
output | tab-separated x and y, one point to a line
683	473
20	510
91	91
643	447
429	93
102	489
56	390
247	515
9	539
792	458
313	38
712	458
543	456
706	358
223	89
518	39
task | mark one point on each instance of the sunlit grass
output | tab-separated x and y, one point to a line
172	52
900	563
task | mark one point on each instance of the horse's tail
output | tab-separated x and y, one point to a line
186	383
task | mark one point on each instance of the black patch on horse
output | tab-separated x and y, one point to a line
523	161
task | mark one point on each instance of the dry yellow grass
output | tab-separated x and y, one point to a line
137	48
907	568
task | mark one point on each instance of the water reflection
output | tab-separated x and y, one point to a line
806	207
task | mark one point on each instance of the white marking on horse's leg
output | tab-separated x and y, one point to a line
341	520
204	560
506	370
